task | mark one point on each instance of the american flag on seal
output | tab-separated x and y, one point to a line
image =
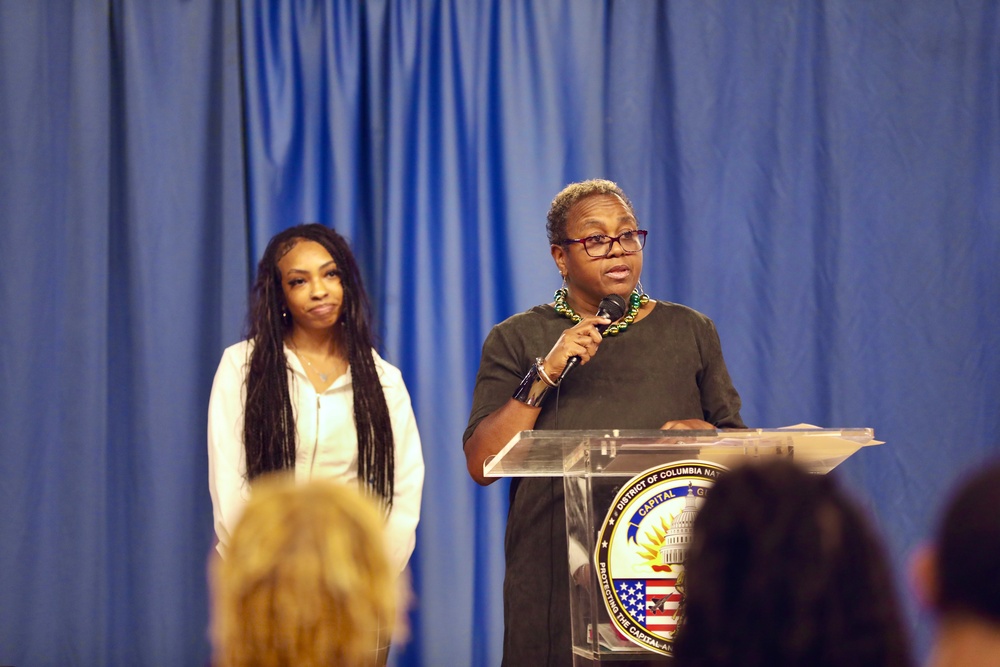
651	602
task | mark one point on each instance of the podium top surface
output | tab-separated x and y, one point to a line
622	452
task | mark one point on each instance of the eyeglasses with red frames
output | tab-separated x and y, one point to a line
600	245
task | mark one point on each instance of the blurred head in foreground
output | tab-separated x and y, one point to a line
305	581
958	575
785	570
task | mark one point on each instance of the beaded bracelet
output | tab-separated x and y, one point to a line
533	388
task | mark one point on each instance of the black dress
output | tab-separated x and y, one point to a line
667	366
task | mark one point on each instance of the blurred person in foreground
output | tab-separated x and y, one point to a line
306	580
958	576
658	365
784	570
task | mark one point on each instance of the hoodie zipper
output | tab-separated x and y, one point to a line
312	462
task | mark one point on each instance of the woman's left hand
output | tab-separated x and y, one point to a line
687	425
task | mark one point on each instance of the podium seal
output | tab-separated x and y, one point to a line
641	545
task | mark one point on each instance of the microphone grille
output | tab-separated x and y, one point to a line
613	306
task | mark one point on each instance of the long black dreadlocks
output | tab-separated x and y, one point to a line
269	423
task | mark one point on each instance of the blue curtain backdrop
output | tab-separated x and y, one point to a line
123	246
819	178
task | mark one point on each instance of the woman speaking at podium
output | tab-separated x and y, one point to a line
565	365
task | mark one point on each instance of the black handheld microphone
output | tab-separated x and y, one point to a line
612	307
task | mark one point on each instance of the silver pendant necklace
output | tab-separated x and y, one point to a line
324	377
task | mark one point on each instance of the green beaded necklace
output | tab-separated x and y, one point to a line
635	301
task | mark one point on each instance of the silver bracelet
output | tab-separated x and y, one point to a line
539	361
532	389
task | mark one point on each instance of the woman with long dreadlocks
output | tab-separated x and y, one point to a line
306	392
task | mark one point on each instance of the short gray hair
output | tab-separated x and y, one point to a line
570	195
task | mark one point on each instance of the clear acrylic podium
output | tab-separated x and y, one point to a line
595	464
